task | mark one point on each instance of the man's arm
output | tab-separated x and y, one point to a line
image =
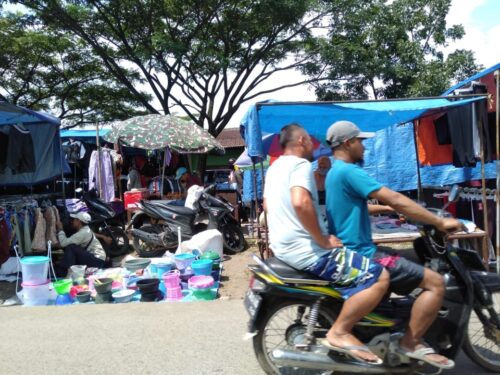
377	209
414	211
304	208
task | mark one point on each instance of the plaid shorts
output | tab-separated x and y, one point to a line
348	271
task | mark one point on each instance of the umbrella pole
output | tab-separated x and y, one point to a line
497	200
160	185
255	218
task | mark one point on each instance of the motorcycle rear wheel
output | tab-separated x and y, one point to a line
146	250
120	245
480	344
232	235
283	326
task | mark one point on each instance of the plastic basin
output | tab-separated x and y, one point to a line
62	286
183	261
148	286
104	285
123	296
202	267
162	268
136	264
83	296
35	269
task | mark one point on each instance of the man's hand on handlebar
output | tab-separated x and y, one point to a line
450	225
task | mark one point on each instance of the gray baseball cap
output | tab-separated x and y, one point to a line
341	131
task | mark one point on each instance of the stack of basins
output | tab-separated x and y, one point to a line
103	288
35	283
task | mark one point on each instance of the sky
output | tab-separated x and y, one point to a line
480	19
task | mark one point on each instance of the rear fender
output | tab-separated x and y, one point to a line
137	219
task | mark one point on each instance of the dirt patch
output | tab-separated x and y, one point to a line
235	274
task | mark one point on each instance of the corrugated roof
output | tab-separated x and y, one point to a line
231	138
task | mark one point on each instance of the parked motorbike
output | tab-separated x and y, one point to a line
105	221
154	226
291	311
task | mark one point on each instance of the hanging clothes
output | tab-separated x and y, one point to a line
38	242
21	152
73	150
459	122
4	147
4	240
27	233
107	191
50	227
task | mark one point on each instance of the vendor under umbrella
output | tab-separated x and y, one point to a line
83	247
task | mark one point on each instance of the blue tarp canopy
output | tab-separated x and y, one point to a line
83	134
44	130
316	117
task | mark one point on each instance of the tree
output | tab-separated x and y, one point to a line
206	57
48	70
386	49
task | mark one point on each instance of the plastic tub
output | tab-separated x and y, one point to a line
202	267
78	273
174	294
182	261
171	279
36	295
35	269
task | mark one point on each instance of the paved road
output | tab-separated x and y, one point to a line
140	338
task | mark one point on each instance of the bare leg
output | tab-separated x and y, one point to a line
355	308
424	312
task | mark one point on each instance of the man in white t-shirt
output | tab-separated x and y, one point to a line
300	238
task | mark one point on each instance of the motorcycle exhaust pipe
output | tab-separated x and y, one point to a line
151	238
316	361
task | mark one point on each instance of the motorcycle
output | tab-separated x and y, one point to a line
291	311
154	226
105	221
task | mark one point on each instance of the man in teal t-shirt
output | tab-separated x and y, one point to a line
348	188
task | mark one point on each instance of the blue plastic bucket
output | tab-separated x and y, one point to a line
202	267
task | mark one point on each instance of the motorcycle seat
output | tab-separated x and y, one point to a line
287	273
165	205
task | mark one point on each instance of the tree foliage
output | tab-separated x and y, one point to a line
206	57
52	71
382	49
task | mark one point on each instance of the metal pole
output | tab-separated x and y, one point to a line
160	185
416	123
497	242
485	202
62	162
99	178
266	232
256	201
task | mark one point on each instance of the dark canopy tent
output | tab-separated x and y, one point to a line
44	131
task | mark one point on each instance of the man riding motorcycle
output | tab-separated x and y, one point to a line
348	187
298	239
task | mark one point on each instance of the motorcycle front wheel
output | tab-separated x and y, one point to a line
148	250
482	341
284	326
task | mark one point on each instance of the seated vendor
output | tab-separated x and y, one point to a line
186	179
83	247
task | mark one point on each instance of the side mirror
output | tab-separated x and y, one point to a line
454	193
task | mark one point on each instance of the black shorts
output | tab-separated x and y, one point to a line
405	275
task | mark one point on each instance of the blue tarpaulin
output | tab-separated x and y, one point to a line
390	157
44	130
83	133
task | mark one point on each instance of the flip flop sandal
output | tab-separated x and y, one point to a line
348	351
421	355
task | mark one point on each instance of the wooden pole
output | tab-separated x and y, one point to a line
416	123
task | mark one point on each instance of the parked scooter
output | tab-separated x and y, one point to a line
105	221
154	226
291	311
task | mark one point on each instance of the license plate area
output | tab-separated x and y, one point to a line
252	303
